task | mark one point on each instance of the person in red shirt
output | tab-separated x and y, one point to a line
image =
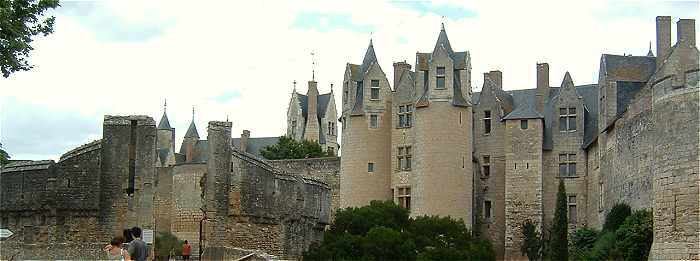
186	251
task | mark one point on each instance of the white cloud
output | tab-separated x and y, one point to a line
212	47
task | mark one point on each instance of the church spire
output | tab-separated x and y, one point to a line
164	122
650	53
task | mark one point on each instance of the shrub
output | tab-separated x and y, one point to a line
635	235
604	248
532	241
167	244
581	242
616	216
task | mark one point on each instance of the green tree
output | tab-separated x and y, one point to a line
532	241
4	157
383	231
616	216
582	241
20	21
288	148
559	242
167	244
635	235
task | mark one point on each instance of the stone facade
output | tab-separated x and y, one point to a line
632	138
70	209
323	127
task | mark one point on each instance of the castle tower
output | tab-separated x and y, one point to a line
166	134
188	143
365	165
442	180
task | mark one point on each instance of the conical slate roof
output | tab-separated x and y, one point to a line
164	122
192	131
443	41
370	58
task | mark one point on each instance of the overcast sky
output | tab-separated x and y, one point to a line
239	58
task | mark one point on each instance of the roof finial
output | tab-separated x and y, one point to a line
295	86
650	53
331	87
442	24
227	117
165	105
313	66
192	113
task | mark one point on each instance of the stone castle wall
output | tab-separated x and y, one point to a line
326	170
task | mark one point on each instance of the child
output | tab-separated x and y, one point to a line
114	249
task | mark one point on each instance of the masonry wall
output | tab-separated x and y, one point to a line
326	170
186	202
523	190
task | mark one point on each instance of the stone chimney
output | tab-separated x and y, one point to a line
685	28
312	124
542	85
244	140
663	38
497	78
399	68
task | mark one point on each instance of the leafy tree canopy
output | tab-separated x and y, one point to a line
383	231
20	21
616	216
288	148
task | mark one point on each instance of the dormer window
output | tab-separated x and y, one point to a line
440	78
374	90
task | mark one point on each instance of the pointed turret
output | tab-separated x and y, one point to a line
443	41
192	130
650	53
164	122
370	58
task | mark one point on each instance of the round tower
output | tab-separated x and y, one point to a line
442	180
366	137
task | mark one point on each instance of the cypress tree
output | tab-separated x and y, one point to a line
559	241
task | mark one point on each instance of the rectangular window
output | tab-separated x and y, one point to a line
370	167
487	166
374	90
405	115
439	82
373	121
440	71
600	197
487	122
523	124
405	197
345	93
487	210
404	158
572	210
567	119
567	165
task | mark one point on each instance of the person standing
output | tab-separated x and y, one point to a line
137	248
186	251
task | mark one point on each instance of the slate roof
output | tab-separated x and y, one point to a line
192	130
201	151
163	155
370	57
164	122
323	101
626	66
524	105
625	92
255	144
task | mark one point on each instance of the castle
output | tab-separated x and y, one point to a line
215	192
433	146
323	127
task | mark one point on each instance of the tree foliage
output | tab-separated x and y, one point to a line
288	148
558	246
20	21
582	241
532	241
616	216
383	231
167	244
635	235
630	241
4	157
